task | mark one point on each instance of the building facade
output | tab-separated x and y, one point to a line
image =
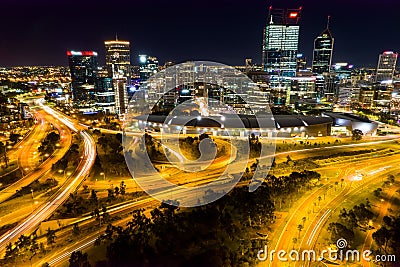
281	41
148	66
386	66
121	95
83	67
118	58
118	62
105	95
323	51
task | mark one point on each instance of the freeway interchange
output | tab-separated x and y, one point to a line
284	233
45	210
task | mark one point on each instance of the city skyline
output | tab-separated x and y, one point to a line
49	31
214	133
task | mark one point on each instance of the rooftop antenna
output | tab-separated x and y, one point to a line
116	36
328	22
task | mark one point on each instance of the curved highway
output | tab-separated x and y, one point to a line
29	224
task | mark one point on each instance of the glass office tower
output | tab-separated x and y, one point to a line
323	50
281	41
147	67
83	67
118	58
386	66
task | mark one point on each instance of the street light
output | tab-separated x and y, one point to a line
64	174
104	175
32	192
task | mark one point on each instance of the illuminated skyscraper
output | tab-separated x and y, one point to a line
105	95
121	95
386	66
148	67
118	58
83	67
118	61
281	41
323	50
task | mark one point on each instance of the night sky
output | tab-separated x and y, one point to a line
39	32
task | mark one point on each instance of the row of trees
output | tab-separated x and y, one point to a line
27	247
3	154
349	220
14	138
112	159
153	148
285	186
111	144
48	145
358	217
190	147
71	157
77	205
214	235
387	237
219	234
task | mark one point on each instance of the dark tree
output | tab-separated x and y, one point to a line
75	230
14	137
93	197
382	237
51	237
338	231
79	259
357	134
3	153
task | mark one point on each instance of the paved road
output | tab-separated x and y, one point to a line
289	230
62	255
26	145
28	150
378	221
46	209
377	167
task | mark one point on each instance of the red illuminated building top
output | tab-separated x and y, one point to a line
81	53
281	16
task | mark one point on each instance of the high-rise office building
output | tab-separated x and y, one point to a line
322	61
330	83
301	89
105	95
344	72
118	61
83	67
323	50
281	41
348	97
118	58
301	63
148	66
386	66
121	95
